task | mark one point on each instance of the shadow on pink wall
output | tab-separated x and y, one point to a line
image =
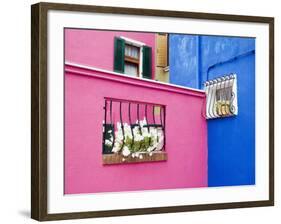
186	135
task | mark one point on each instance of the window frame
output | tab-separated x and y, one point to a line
140	45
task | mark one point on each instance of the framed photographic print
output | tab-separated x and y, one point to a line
139	111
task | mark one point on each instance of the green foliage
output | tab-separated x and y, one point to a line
138	146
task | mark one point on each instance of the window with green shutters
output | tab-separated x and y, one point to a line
132	59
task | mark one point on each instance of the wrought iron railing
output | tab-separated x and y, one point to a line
221	97
133	129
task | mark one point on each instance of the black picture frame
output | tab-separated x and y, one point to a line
39	108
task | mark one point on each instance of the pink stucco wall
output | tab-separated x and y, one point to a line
96	47
186	135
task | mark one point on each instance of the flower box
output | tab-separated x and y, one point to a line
109	159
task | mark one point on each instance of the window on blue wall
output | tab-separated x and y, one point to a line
221	97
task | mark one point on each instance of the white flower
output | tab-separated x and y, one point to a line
160	145
127	131
119	136
143	122
138	138
119	127
107	142
126	152
150	154
146	134
136	130
160	133
137	154
141	157
125	134
115	149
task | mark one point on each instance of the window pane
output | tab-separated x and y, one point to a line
132	51
131	69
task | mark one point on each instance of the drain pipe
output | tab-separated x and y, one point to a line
228	61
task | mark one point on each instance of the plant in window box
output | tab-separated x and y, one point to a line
136	140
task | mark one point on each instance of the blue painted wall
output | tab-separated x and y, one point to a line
184	72
231	141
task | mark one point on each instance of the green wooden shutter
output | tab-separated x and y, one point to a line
119	54
146	62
